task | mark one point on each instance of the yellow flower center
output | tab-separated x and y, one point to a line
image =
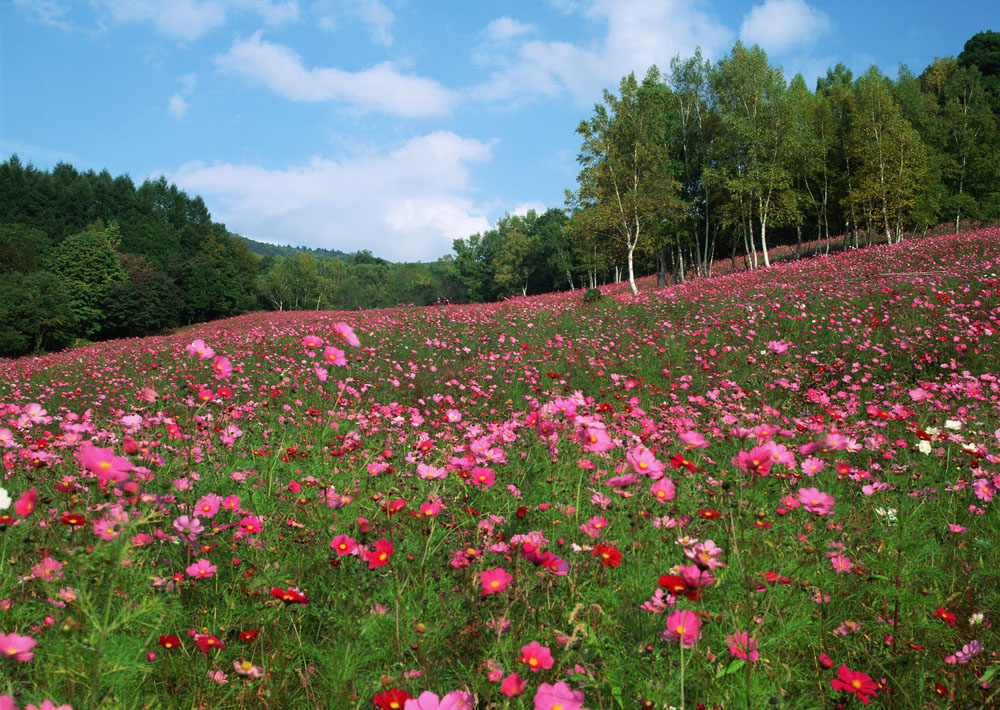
856	684
681	630
494	584
532	662
104	465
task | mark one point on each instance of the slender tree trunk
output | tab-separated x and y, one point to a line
798	245
763	231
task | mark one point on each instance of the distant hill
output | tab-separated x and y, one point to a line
273	250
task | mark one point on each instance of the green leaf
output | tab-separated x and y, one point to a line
731	668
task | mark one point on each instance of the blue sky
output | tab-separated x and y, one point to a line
389	125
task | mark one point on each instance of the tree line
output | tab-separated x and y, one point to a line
709	160
689	165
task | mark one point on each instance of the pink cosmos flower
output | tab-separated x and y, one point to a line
536	656
17	647
46	705
594	437
663	490
693	440
201	569
512	685
312	341
756	460
742	645
841	563
334	356
344	545
815	501
495	580
643	461
430	508
558	697
7	703
25	506
198	347
103	462
455	700
222	366
347	334
682	626
777	346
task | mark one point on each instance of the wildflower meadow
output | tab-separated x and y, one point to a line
768	489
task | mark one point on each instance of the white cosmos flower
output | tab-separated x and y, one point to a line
924	446
4	499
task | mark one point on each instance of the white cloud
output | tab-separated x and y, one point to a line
639	33
379	88
521	209
373	13
504	28
780	25
50	12
404	204
177	106
191	19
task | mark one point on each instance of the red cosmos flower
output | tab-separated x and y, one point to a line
72	519
248	635
379	557
678	461
609	555
170	641
773	577
290	596
853	682
393	699
709	514
673	583
945	616
208	641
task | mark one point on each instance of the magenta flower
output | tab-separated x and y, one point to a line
682	626
46	705
841	563
222	366
103	462
512	685
455	700
347	334
816	501
494	580
558	697
334	356
742	645
663	490
344	545
199	348
25	505
17	647
201	569
536	656
312	341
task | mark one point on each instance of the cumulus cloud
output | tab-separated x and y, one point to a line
504	28
405	204
191	19
373	13
638	33
379	88
177	106
780	25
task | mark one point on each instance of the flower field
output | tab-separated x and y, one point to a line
770	489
